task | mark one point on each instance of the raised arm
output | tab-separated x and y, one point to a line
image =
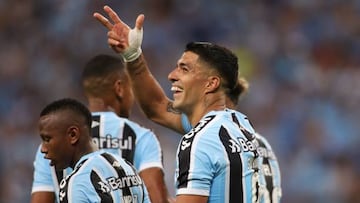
149	94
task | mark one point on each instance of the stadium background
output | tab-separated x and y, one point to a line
301	57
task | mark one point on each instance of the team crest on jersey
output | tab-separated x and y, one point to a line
188	138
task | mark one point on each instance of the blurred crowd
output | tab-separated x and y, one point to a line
301	58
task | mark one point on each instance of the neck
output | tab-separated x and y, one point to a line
200	110
98	105
88	148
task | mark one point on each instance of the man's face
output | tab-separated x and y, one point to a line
189	80
55	141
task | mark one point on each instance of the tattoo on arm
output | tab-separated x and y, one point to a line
171	109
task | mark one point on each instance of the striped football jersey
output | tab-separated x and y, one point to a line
114	135
102	177
266	182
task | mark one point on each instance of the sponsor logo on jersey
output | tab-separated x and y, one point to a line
115	183
234	146
109	142
105	188
242	145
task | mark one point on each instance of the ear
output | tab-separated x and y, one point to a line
73	133
212	84
118	88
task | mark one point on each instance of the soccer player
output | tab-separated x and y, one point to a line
97	176
268	170
110	99
215	159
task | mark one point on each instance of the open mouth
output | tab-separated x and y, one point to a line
51	161
176	90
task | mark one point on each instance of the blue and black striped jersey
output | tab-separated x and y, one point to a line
102	177
266	182
270	177
216	159
136	144
112	134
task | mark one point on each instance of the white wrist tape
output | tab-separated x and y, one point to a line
134	50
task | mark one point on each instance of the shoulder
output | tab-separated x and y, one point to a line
206	132
242	120
97	163
138	128
262	140
135	125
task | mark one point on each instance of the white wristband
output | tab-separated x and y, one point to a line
134	50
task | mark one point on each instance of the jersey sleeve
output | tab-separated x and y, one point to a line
42	177
148	152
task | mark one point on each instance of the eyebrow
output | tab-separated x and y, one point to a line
182	64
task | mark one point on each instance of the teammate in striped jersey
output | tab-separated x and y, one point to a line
159	109
65	130
109	94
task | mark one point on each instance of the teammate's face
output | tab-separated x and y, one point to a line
189	80
55	141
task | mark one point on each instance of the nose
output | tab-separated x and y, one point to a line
43	149
172	77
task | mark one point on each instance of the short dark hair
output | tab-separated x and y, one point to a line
97	69
221	58
102	65
68	104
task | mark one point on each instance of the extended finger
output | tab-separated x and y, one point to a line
114	17
103	20
139	21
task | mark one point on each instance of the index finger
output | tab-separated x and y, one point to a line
113	16
103	20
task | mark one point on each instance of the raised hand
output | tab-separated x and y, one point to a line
121	38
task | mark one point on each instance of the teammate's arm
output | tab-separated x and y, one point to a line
154	180
191	199
148	161
151	97
43	197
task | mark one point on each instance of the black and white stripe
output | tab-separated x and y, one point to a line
236	170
